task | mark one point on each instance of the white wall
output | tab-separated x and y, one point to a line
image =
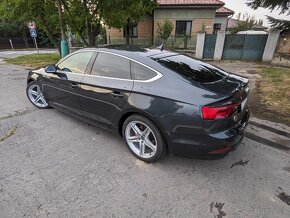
223	21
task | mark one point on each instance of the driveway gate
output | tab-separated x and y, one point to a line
244	47
209	46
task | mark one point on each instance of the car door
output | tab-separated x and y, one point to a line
106	89
62	88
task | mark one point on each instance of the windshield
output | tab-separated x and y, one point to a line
192	69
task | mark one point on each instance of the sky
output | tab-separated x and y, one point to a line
239	6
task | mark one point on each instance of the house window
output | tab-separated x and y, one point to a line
216	27
183	28
133	31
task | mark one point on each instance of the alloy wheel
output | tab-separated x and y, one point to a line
141	139
36	97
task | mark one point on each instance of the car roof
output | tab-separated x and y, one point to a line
133	52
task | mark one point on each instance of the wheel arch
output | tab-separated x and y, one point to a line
29	80
127	114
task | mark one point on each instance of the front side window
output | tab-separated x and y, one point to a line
133	31
140	72
183	28
76	63
108	65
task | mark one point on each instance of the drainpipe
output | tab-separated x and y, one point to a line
228	22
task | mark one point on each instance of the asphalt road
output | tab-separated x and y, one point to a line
53	165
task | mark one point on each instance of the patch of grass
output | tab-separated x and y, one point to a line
35	60
275	88
9	133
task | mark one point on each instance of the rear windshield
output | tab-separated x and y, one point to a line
192	69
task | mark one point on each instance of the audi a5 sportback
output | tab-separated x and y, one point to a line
157	100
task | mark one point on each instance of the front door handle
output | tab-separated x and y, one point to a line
117	94
74	85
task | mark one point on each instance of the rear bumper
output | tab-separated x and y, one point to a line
209	146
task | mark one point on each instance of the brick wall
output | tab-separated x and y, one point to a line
195	28
198	23
144	31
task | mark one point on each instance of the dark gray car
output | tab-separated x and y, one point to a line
157	100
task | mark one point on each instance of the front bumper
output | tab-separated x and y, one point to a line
209	146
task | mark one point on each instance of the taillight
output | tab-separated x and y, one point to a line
211	112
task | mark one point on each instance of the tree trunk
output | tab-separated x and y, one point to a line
128	31
25	38
88	24
90	34
61	20
83	38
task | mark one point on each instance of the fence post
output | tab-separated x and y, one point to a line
200	45
11	44
271	44
219	45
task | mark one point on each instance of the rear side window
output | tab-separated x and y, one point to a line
140	72
76	63
113	66
192	69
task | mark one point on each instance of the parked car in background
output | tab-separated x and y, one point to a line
157	100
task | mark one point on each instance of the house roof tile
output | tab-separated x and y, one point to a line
190	2
224	10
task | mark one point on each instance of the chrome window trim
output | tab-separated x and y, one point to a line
158	74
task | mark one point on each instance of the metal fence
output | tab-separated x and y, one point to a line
17	42
178	42
244	47
172	42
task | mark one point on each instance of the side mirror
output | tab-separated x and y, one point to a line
50	69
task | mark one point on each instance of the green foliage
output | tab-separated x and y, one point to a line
83	18
282	5
116	13
279	23
164	30
120	13
87	23
246	24
44	13
12	29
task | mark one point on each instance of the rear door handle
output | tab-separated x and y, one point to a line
74	85
117	94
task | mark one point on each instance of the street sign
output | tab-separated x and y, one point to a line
31	25
33	33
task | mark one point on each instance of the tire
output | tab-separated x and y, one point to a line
34	92
144	139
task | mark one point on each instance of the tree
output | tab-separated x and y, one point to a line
81	16
246	24
282	5
164	30
88	20
125	13
44	13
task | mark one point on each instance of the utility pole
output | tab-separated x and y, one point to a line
63	45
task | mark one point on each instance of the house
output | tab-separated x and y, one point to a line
188	17
221	19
